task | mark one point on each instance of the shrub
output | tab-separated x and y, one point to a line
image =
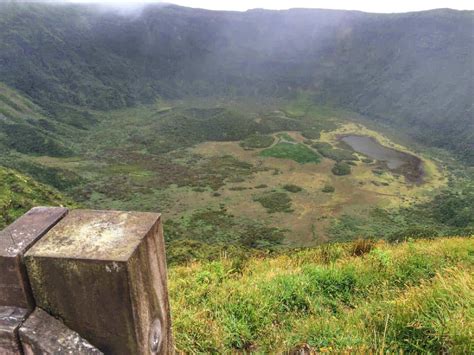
361	247
311	133
275	202
419	232
454	209
238	188
261	237
341	168
328	189
292	188
257	141
328	151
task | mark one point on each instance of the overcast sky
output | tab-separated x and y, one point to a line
363	5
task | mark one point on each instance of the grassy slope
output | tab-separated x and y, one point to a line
18	193
413	296
26	128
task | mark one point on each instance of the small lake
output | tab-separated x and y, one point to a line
395	160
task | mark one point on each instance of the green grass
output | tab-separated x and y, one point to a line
297	152
411	297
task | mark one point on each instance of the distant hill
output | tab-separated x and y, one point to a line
413	71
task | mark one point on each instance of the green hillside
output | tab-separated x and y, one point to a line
411	70
363	297
19	193
26	128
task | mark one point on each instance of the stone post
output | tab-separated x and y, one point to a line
103	273
15	240
16	300
43	334
11	319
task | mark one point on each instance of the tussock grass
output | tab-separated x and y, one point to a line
411	297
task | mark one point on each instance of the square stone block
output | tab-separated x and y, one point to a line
104	274
10	320
15	240
43	334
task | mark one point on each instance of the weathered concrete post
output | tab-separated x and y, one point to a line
15	240
104	274
43	334
11	319
16	300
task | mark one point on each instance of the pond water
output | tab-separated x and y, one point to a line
402	162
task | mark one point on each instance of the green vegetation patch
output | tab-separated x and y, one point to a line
28	139
275	202
328	189
285	137
336	154
341	168
206	234
294	151
257	141
19	193
292	188
450	212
